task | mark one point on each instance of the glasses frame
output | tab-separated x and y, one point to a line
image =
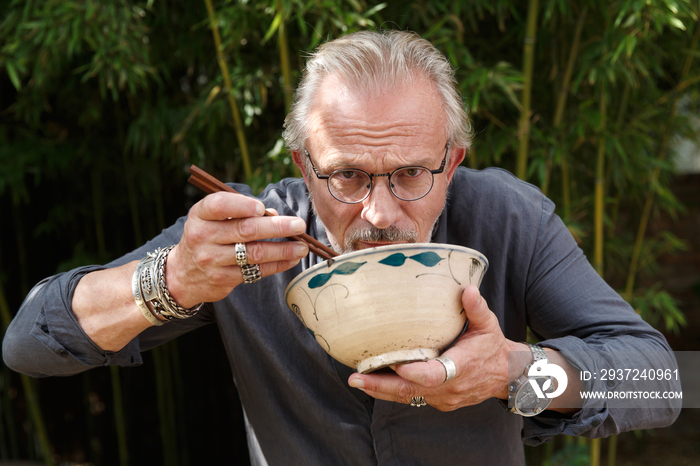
373	175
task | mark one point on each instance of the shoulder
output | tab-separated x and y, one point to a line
493	190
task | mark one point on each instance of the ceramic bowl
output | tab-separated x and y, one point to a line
381	306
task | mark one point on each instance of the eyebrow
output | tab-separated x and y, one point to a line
335	164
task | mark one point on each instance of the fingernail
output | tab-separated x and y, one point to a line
357	383
298	225
300	250
259	209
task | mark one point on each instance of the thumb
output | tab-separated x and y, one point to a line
475	306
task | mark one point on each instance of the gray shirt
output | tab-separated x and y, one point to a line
298	404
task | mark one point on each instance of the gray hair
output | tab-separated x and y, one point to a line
376	61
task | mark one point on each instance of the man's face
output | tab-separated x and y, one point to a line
405	127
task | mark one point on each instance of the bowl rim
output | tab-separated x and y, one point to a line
399	246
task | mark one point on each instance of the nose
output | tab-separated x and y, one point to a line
381	208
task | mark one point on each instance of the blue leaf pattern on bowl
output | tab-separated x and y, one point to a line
429	259
347	268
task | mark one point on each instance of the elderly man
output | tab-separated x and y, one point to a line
372	110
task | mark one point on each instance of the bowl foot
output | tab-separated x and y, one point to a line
396	357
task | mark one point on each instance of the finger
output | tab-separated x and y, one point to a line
476	308
267	269
213	255
387	387
267	251
231	231
222	206
257	228
430	374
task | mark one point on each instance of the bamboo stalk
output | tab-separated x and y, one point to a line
117	396
179	403
599	220
624	101
133	200
561	105
21	250
119	421
167	431
528	60
595	452
97	211
568	73
284	61
566	186
612	450
649	200
240	135
90	419
10	433
599	185
30	391
4	448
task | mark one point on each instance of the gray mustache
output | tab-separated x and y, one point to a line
376	235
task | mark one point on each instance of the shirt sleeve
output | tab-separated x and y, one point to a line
573	310
44	338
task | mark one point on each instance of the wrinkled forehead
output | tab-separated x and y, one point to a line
399	118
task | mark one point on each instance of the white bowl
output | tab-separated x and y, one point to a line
381	306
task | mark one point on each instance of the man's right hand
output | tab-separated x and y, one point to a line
202	267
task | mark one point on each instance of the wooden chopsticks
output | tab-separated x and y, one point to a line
209	184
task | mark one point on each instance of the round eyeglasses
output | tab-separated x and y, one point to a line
352	185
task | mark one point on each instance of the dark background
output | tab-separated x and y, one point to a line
104	105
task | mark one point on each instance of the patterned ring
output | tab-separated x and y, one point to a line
241	255
251	273
450	368
418	401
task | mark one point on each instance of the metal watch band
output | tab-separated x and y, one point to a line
538	353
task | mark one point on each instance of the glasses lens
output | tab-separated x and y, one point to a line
410	183
349	185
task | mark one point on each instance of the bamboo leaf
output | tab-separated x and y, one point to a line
375	9
12	73
675	22
273	27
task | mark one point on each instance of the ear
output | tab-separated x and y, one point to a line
298	158
456	159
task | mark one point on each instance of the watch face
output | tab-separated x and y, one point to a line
526	399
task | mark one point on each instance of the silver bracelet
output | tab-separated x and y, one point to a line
155	290
138	297
149	286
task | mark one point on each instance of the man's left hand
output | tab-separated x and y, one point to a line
480	356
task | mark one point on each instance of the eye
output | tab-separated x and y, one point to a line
348	174
412	172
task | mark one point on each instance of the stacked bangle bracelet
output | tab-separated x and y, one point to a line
148	287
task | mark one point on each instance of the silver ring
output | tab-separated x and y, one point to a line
251	273
241	255
418	401
450	368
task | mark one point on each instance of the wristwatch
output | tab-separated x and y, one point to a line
523	399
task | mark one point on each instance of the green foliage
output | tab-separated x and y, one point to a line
657	306
573	454
105	103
